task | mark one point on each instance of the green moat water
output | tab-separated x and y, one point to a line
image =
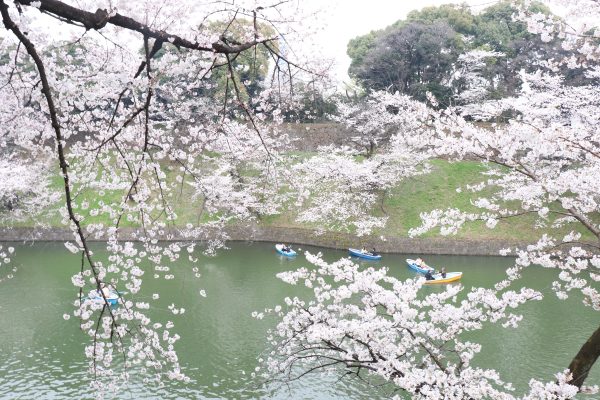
41	354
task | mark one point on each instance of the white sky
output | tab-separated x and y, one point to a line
347	19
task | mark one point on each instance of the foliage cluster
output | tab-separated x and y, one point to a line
425	53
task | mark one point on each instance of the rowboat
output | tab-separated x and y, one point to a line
450	277
422	268
367	255
279	248
96	296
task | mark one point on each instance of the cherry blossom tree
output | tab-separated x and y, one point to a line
338	187
131	131
24	189
543	163
127	131
475	86
369	323
369	119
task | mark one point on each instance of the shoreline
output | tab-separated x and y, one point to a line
296	236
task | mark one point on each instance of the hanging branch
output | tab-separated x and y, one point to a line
102	17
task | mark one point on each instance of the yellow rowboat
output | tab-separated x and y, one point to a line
450	277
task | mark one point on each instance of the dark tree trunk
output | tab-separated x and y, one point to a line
585	359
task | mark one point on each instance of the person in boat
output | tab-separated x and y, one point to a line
105	290
428	275
373	251
443	272
286	248
364	250
419	261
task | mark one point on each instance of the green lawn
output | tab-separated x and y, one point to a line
438	190
402	204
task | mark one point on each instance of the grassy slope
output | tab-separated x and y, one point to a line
438	190
402	204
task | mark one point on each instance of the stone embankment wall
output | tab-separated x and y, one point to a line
297	236
308	137
336	240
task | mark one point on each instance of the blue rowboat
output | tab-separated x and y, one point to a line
367	255
423	268
96	296
279	248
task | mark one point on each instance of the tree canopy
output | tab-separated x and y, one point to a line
422	53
